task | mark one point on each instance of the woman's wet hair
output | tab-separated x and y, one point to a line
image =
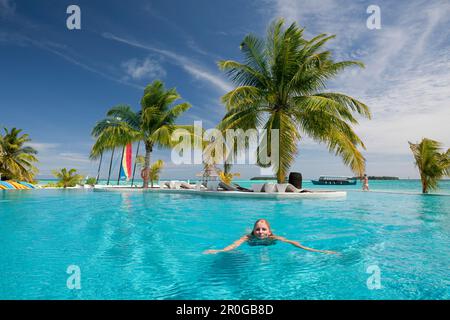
261	220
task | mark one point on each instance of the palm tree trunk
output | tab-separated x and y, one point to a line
227	164
110	164
99	166
120	166
226	167
280	172
148	151
424	184
280	176
135	157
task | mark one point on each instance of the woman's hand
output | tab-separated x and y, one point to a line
211	251
330	252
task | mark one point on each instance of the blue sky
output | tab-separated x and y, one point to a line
56	83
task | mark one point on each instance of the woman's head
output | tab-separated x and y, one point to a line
261	229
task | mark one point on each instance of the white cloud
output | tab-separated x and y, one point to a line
43	146
61	51
406	79
82	65
202	74
145	69
194	46
54	156
74	157
433	16
195	70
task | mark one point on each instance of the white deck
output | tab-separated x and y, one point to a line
239	194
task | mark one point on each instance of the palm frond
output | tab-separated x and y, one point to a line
126	114
432	164
281	80
16	160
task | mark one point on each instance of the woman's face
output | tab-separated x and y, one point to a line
261	230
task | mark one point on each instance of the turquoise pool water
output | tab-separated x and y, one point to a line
149	246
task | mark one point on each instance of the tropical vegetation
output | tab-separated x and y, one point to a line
433	164
154	170
280	85
16	159
67	178
91	181
109	134
227	177
153	124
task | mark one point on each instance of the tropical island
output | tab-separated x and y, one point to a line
379	178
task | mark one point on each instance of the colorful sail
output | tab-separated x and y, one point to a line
125	166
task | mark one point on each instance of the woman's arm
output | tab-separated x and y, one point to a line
297	244
232	246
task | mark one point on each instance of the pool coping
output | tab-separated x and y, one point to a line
240	194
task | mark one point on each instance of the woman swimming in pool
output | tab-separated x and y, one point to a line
262	235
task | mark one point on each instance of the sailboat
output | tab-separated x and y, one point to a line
125	164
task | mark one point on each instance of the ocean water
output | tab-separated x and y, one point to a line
143	245
396	186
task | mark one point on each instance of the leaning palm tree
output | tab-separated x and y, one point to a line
154	123
16	160
280	86
67	178
432	164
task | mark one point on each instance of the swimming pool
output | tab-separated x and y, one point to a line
149	246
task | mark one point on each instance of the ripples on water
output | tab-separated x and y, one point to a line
149	246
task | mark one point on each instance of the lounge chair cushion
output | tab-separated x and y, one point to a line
185	185
269	187
291	188
257	187
281	187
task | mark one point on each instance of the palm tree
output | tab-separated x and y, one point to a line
280	86
154	123
110	133
154	170
16	160
67	178
432	164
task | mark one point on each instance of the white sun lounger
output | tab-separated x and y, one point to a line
266	187
281	187
257	187
185	185
291	188
269	188
199	186
175	185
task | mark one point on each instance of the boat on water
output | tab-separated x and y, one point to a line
334	180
